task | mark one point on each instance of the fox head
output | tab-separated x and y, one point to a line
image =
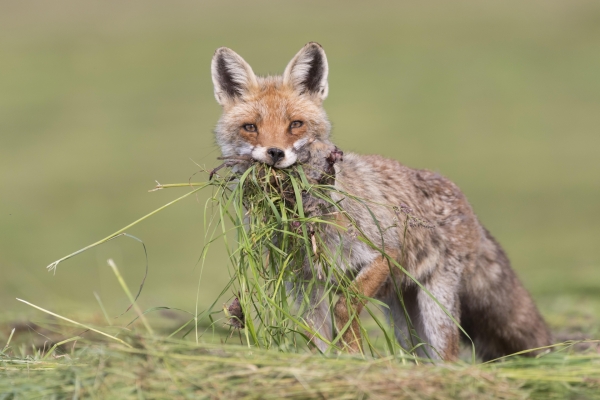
271	118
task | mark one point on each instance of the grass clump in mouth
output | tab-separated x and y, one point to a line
280	260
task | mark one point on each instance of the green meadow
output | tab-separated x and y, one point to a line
98	101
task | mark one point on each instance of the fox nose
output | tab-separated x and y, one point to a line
276	154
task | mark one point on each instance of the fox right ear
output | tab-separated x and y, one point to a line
231	76
307	72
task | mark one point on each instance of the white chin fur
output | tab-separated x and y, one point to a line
289	159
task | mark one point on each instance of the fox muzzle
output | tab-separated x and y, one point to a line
275	154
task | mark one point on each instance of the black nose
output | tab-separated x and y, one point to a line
276	154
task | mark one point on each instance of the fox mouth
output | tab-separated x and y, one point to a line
281	164
273	156
277	165
242	161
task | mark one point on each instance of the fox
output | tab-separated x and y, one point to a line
465	277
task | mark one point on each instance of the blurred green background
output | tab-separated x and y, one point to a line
99	99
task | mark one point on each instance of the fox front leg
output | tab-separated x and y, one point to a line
347	310
438	329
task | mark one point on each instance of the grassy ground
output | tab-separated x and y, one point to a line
98	100
155	367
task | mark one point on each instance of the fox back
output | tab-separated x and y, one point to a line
280	121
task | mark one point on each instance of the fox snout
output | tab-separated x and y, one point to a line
275	154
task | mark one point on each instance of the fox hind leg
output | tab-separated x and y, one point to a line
497	311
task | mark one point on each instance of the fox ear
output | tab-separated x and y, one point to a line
307	72
231	76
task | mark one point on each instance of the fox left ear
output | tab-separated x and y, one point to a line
232	76
307	72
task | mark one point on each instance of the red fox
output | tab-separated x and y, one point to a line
273	119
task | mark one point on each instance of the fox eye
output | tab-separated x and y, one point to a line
296	124
249	127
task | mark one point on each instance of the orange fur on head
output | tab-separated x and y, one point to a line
283	112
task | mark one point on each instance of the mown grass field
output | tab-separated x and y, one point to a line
99	100
157	369
152	366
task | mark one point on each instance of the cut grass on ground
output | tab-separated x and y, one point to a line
158	368
178	369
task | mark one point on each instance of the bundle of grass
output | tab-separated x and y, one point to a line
286	274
